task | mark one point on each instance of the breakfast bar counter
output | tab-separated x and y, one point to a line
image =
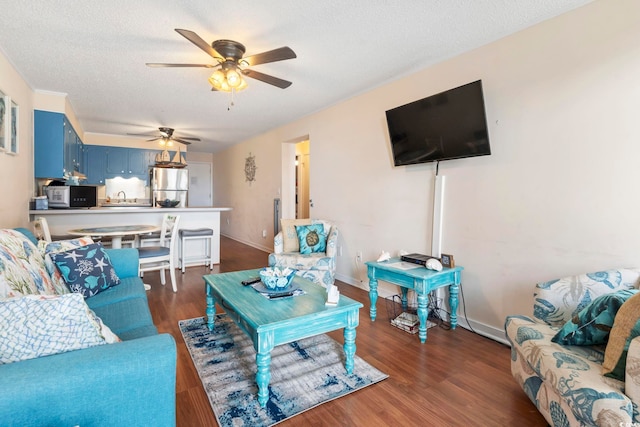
60	221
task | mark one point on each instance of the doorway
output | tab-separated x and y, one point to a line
303	201
295	194
200	184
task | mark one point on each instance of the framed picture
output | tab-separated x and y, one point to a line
13	141
4	119
447	261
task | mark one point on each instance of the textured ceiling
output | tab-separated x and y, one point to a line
95	52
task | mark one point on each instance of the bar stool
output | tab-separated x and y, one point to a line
205	234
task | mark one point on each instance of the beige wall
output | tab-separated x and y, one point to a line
16	172
558	195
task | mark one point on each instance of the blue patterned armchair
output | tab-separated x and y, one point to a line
319	267
566	382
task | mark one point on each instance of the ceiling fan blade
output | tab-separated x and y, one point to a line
154	139
188	139
197	40
160	65
274	55
143	134
282	84
181	141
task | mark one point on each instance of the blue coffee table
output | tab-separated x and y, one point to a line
270	323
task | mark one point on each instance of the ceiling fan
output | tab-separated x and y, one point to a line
166	135
231	65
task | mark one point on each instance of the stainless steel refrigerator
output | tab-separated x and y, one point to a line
169	183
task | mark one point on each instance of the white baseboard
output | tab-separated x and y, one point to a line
266	249
484	330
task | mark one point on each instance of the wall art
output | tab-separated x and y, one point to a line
4	119
13	141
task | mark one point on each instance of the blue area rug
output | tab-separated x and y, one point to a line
304	373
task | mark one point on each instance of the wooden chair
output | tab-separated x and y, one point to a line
160	258
41	229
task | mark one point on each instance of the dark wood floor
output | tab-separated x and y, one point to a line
457	378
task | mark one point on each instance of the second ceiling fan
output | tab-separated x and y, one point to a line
232	65
166	137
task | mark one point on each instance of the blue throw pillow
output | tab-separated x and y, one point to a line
312	238
594	322
86	270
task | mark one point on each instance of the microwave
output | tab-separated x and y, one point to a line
72	196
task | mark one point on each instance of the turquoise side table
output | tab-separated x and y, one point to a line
421	280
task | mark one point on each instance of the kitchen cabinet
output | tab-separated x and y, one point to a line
126	163
105	162
94	159
57	148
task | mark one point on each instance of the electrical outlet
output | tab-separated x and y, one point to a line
359	256
264	234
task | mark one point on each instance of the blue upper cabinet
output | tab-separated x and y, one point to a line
94	160
57	147
104	162
127	162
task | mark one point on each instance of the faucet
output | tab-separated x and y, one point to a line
124	199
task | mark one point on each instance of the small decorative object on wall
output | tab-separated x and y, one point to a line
4	119
250	168
447	261
13	147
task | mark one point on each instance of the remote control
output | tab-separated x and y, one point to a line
250	281
280	294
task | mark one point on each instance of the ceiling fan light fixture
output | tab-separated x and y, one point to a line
233	78
217	79
226	80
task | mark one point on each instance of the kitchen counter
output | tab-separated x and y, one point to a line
60	221
123	209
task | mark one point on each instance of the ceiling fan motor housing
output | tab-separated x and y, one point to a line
166	132
229	49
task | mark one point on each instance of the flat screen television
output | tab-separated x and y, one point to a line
445	126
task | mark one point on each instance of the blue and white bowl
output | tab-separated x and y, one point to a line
275	278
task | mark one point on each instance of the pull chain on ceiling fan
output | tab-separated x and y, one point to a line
232	66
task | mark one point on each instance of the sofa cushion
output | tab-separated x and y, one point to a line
22	269
298	261
86	270
130	287
47	248
126	315
575	372
594	322
625	328
40	325
557	301
289	236
311	238
125	309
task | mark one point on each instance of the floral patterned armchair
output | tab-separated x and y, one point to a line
320	266
567	382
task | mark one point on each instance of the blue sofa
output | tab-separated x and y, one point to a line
130	383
